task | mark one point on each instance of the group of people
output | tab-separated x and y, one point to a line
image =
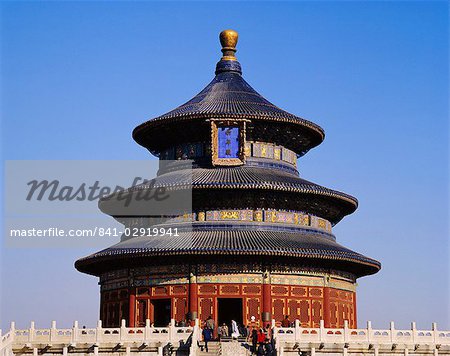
236	330
183	323
261	339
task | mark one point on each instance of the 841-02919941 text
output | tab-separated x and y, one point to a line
95	232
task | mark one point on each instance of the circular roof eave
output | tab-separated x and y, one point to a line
244	178
142	134
304	244
91	264
228	95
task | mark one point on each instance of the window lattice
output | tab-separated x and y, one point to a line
279	290
252	290
253	307
207	289
178	289
229	289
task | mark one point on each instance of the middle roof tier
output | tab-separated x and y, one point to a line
250	187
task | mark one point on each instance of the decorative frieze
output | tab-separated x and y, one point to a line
161	270
195	150
271	151
246	273
297	280
230	278
153	281
114	285
204	269
116	274
269	216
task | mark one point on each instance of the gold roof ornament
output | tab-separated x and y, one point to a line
228	40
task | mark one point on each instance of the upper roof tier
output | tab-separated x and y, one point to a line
229	96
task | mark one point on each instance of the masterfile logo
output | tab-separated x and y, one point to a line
53	202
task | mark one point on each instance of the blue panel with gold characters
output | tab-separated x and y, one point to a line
228	142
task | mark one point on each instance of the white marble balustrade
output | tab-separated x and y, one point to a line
296	339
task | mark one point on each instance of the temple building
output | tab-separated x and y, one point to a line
258	244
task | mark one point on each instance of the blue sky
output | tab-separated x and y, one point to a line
77	77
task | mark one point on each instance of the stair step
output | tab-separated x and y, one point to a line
225	348
214	349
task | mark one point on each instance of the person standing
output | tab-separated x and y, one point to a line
234	330
210	323
242	330
261	350
223	330
261	336
286	322
254	337
268	348
268	331
207	335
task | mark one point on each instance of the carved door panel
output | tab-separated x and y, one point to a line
253	308
305	313
316	312
293	306
142	312
206	308
278	309
180	309
333	314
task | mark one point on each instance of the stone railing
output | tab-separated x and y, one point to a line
6	342
76	339
362	340
163	340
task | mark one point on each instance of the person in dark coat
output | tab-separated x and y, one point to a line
269	348
207	336
261	350
254	340
242	330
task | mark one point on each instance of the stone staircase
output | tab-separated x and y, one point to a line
225	348
236	348
214	349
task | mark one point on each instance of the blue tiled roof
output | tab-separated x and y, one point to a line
232	242
244	177
228	95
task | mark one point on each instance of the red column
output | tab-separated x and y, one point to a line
132	308
193	297
355	319
267	298
326	307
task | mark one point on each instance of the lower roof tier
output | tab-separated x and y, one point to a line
309	247
250	187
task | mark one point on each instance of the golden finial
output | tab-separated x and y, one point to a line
228	40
